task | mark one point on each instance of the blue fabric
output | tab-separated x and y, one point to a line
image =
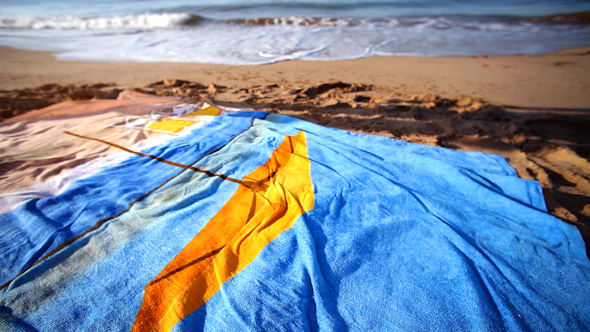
248	114
402	237
39	226
132	249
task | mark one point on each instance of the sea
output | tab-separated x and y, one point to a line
254	32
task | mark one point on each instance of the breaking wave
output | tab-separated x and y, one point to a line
185	37
143	21
178	20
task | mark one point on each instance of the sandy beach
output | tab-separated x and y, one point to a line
552	80
533	110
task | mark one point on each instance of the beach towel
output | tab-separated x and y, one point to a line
260	221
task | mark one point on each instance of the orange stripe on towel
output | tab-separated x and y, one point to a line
281	192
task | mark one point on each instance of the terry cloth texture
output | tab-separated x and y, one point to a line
280	224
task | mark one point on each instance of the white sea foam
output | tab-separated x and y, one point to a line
179	20
143	21
191	38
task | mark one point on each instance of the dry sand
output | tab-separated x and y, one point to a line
555	80
533	110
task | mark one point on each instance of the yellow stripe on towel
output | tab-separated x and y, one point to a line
207	111
171	125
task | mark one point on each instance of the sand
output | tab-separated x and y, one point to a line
555	80
533	110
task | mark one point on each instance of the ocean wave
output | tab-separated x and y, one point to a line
143	21
508	23
300	21
580	18
179	20
223	42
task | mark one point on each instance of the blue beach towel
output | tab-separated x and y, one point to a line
273	223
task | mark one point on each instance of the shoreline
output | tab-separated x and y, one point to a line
559	79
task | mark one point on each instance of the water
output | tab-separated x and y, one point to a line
263	31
